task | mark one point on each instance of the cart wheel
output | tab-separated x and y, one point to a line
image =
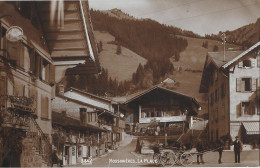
168	159
186	159
157	158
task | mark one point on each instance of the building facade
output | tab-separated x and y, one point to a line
168	108
232	87
54	36
26	87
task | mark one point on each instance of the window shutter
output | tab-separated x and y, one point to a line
254	83
37	65
239	83
45	107
47	73
40	66
253	62
21	54
33	94
52	74
258	61
12	50
240	64
252	108
32	61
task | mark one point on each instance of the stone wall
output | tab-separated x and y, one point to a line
30	157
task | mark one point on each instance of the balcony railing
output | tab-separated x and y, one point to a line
14	111
22	103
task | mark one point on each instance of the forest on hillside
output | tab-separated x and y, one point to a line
149	39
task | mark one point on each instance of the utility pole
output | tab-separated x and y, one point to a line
224	43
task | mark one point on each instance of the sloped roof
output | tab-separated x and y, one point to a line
73	41
242	54
140	94
88	94
70	122
215	59
218	57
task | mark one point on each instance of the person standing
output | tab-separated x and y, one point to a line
200	149
237	149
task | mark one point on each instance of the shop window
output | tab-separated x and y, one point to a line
73	151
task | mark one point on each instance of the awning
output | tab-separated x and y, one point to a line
251	127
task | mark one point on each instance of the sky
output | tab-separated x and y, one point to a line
200	16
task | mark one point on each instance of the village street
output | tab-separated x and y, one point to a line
126	157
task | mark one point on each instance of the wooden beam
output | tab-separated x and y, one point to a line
69	49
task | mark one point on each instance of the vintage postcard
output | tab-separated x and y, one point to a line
140	83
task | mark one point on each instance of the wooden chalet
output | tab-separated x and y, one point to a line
164	106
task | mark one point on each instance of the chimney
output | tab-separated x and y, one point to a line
60	89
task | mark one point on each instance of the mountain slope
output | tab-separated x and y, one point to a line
246	35
193	57
122	66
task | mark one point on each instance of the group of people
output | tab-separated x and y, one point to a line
218	146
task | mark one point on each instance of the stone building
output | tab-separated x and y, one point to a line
26	85
40	41
232	83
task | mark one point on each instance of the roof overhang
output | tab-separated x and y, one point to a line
252	48
141	94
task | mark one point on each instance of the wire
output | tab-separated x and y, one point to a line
165	9
208	13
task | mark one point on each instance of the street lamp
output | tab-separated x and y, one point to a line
13	33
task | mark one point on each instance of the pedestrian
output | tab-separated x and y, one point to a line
200	149
220	147
237	149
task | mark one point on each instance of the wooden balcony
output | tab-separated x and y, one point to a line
16	111
21	104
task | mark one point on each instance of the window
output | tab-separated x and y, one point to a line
223	90
212	98
215	75
16	53
216	95
247	108
3	42
216	115
45	70
246	84
247	63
